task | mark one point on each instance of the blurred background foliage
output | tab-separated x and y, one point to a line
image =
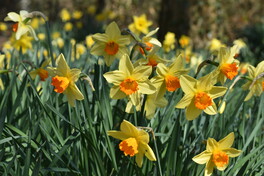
201	20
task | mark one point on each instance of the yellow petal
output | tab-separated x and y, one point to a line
143	136
217	91
209	168
177	64
62	67
162	70
211	145
21	31
116	93
139	159
113	31
125	65
146	87
97	49
202	158
185	101
118	134
73	93
129	129
143	147
142	72
100	37
188	84
259	68
211	110
227	141
115	77
192	112
12	16
232	152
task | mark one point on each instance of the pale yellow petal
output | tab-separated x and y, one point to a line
100	38
142	72
113	31
188	84
227	141
259	68
209	168
21	31
211	110
147	151
115	77
162	70
177	64
192	112
129	129
232	152
97	49
74	74
143	136
139	159
12	16
202	158
62	67
185	101
118	134
211	145
217	91
125	65
73	93
146	87
116	93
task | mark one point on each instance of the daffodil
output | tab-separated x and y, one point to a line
129	81
3	26
140	24
199	95
228	65
150	42
77	14
23	43
215	45
153	101
64	78
168	77
217	154
169	42
89	41
134	142
41	72
184	41
65	15
111	45
258	86
21	25
68	26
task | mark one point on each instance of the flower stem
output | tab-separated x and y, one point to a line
49	43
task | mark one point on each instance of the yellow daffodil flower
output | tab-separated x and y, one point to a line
228	66
65	15
59	42
168	77
154	101
140	24
215	45
111	45
77	14
130	81
169	42
258	86
23	43
217	154
41	36
184	41
55	35
199	95
134	142
68	26
150	42
21	27
3	26
41	72
64	78
89	41
152	59
240	43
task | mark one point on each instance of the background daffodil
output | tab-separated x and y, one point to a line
199	95
64	78
20	27
130	81
140	24
134	142
228	66
111	45
217	154
258	86
168	77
